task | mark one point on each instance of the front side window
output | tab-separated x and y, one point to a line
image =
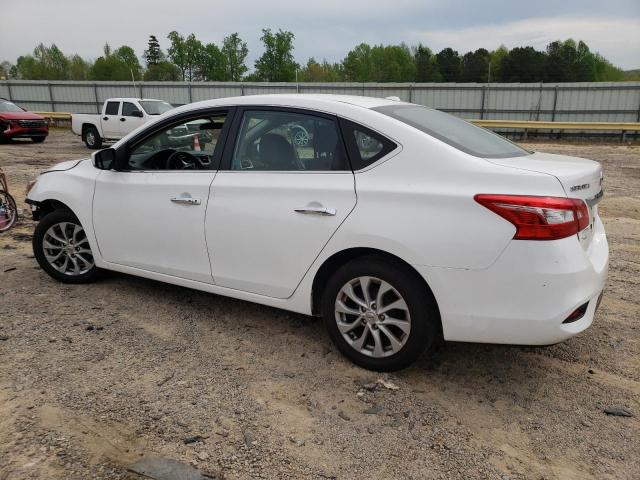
128	108
191	145
286	141
454	131
112	108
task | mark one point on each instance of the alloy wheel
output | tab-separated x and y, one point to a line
66	248
372	317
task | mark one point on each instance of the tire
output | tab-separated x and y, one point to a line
412	338
91	138
57	237
37	139
8	211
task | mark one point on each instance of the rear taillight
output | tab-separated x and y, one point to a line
539	218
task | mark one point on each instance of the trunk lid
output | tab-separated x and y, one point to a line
579	177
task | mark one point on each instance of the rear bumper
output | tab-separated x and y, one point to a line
524	297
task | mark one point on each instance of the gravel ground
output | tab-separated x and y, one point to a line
94	377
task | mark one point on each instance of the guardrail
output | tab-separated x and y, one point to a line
524	125
55	115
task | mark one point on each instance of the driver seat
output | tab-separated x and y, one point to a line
276	153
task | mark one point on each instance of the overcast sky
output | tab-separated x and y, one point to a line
323	28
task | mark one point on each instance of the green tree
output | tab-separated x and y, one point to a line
79	69
153	55
475	66
118	65
320	72
186	54
449	65
127	56
358	64
46	63
234	51
496	58
277	64
393	63
561	57
211	64
426	65
162	71
523	64
605	71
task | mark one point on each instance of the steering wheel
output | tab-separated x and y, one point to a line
179	160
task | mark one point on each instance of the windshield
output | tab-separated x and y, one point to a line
454	131
154	107
9	107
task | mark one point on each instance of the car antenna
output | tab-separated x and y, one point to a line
134	83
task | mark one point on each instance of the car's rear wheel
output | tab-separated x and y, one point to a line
62	249
379	313
92	138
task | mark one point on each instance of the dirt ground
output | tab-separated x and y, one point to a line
94	377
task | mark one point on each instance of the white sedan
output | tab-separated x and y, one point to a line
398	224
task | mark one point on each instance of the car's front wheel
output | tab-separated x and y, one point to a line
379	313
92	138
62	249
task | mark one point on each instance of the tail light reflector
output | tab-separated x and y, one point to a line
539	218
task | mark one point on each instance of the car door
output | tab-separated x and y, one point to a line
109	120
284	189
150	214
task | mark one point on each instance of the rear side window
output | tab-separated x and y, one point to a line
454	131
365	146
288	141
112	108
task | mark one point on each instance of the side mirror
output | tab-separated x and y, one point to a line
137	113
104	159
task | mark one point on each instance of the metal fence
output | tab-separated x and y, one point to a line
586	102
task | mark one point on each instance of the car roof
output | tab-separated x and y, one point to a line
129	99
325	102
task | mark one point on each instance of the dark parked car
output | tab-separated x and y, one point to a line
15	122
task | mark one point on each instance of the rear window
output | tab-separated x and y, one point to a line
454	131
155	107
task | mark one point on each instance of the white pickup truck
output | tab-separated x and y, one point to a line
119	117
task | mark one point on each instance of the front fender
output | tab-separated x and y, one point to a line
72	188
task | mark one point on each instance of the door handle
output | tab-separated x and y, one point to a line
123	119
186	200
315	208
105	118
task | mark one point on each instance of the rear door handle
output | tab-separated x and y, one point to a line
315	208
105	118
186	200
123	119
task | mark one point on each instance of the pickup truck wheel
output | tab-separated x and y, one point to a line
62	248
92	138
